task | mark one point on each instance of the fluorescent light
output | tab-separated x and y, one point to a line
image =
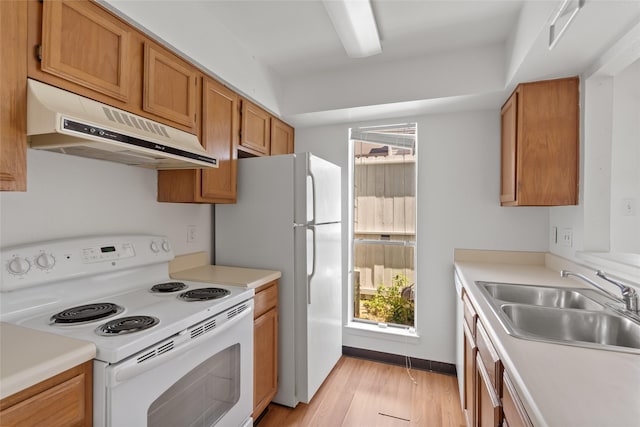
560	22
355	25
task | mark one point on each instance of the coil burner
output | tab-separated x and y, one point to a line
168	287
86	313
127	325
204	294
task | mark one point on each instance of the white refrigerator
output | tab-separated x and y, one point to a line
287	218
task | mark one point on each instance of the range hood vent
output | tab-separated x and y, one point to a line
64	122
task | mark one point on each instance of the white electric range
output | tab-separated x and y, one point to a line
182	350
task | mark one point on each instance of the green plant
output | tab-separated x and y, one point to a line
388	305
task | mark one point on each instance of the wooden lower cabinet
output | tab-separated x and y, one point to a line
488	408
265	347
64	400
469	404
514	413
490	399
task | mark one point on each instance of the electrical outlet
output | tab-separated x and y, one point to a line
567	237
192	233
628	207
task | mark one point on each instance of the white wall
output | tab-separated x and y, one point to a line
71	196
458	207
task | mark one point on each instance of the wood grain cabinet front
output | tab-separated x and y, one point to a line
514	413
265	341
281	137
255	136
220	131
64	400
540	140
170	87
13	114
84	44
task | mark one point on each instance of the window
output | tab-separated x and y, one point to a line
383	231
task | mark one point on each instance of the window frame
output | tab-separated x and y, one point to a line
366	324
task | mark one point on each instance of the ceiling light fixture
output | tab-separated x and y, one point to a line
563	17
355	25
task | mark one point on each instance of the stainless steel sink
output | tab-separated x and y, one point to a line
545	296
569	316
574	326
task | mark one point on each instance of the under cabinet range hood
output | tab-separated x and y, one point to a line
64	122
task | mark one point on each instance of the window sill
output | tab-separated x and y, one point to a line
390	333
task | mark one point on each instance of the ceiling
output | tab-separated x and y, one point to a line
294	37
437	55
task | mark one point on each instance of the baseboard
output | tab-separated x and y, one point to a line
400	360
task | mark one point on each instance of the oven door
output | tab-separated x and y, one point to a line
200	377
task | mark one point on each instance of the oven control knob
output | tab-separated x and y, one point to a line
154	247
45	261
165	246
19	266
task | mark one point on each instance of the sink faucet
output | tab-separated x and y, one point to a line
629	295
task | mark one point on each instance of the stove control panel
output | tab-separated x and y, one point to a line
107	253
53	261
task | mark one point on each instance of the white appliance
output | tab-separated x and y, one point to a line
287	218
66	123
168	353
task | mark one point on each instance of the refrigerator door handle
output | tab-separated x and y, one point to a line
313	263
313	195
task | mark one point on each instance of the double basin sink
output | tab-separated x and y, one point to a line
570	316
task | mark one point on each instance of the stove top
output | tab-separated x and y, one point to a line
107	283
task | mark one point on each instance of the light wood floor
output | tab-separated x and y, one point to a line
361	393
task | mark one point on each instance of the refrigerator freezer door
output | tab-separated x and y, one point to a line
318	307
317	190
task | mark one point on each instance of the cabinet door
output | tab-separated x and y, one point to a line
255	129
469	376
508	150
547	152
86	45
220	130
265	365
64	400
13	92
170	87
281	137
514	411
488	409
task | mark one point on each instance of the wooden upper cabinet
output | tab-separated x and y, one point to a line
13	92
170	86
281	137
85	44
255	129
220	133
508	150
540	141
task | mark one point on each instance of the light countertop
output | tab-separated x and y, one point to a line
195	268
29	356
561	386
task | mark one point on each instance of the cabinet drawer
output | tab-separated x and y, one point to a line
488	356
64	400
266	298
512	407
470	315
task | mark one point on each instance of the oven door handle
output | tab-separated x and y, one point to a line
172	348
